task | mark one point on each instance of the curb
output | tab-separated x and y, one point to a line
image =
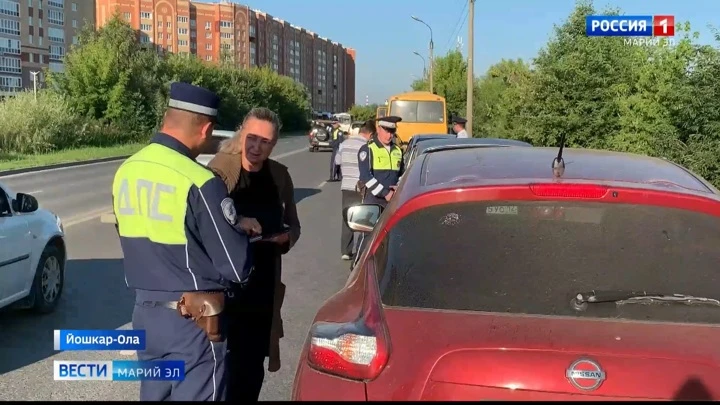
61	165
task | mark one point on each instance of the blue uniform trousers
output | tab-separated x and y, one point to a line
169	336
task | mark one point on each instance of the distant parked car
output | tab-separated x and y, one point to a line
32	253
218	136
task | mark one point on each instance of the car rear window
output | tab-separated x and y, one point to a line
534	257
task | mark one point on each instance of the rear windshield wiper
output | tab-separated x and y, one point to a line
620	297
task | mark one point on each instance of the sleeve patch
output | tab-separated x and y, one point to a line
363	156
228	210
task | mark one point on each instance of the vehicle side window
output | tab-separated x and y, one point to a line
4	204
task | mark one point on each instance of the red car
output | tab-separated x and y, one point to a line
493	276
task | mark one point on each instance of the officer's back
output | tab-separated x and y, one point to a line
176	228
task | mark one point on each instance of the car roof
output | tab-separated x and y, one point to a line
483	166
426	137
431	143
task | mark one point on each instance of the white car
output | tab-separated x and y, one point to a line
218	136
32	253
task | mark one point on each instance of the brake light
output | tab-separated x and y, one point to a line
569	190
357	350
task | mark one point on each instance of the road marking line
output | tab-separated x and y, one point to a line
127	352
34	192
322	184
108	218
286	154
79	219
58	169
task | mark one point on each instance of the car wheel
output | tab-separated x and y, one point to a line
49	279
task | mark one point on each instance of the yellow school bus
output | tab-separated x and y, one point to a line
381	112
422	112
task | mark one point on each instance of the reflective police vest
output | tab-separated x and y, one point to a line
385	164
335	134
150	201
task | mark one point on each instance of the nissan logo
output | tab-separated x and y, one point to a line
585	374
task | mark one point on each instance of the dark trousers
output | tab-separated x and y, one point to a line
172	337
334	169
251	316
349	198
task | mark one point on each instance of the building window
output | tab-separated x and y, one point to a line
74	7
10	8
11	27
10	83
145	27
208	47
10	65
56	34
57	52
74	24
208	58
226	24
182	31
146	15
207	25
226	35
183	42
193	23
56	3
182	19
169	24
10	46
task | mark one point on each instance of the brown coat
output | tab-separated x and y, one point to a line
227	167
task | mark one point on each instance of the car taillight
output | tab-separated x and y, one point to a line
357	350
569	190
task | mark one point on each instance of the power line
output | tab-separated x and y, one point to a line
458	25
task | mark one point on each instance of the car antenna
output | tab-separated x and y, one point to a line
558	164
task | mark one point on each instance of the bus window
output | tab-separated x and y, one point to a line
419	111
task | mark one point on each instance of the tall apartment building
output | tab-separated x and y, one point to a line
214	31
36	34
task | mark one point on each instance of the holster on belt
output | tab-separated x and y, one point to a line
204	307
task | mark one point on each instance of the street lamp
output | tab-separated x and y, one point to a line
34	76
424	64
431	49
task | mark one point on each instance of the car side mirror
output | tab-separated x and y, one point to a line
363	217
25	203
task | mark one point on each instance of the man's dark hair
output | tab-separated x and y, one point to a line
368	127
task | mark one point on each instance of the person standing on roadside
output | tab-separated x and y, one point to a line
350	178
182	251
381	163
261	188
459	127
335	140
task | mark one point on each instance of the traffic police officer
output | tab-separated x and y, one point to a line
381	163
178	236
459	127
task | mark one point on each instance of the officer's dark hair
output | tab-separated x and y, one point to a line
368	127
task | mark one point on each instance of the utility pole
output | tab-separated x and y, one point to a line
34	76
470	61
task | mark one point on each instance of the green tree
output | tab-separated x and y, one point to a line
362	112
449	81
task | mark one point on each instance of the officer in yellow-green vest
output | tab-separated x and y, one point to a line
184	247
381	163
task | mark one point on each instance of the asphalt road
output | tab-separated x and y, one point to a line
95	295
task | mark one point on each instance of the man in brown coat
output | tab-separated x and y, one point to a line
263	189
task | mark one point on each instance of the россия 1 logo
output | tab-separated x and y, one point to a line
638	30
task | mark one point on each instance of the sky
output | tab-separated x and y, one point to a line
385	36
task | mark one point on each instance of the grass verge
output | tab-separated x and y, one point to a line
18	161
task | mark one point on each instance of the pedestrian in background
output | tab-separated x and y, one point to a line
351	175
175	224
335	140
261	188
459	127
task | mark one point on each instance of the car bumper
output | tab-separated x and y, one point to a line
320	144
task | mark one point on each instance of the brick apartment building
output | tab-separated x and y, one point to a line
35	34
214	31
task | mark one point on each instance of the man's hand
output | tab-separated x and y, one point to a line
250	225
280	239
389	195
